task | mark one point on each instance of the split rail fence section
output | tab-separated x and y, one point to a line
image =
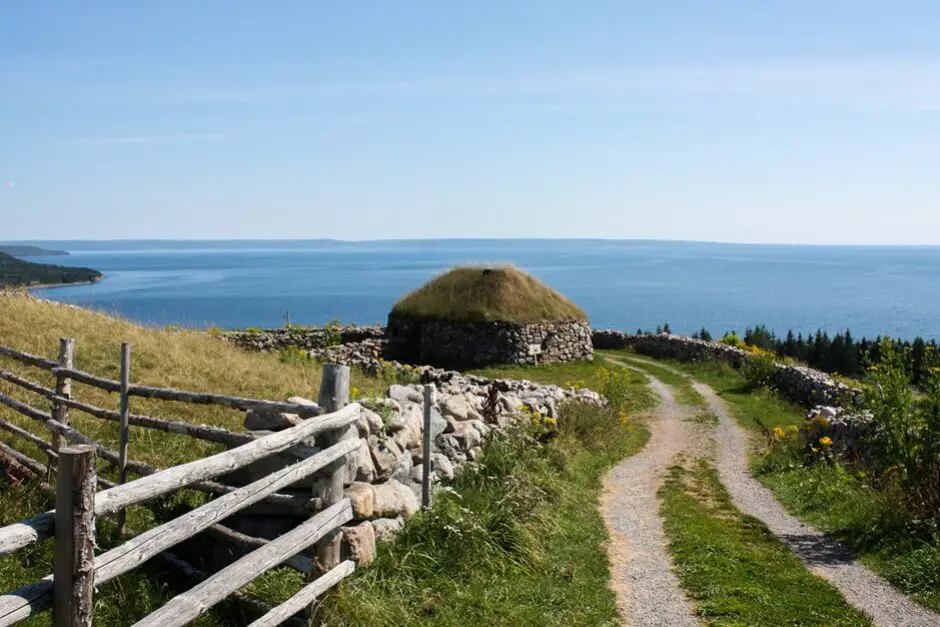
77	570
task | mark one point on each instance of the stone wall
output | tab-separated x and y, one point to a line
801	385
383	475
471	344
305	338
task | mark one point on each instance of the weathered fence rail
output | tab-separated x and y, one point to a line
69	590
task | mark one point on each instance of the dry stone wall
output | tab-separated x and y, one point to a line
472	344
305	338
383	475
801	385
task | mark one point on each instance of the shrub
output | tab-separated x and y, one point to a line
333	333
907	429
731	338
759	369
293	355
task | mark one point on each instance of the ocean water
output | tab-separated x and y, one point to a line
621	284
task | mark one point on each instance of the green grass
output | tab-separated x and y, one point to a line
523	544
487	294
734	568
172	358
870	522
905	551
682	386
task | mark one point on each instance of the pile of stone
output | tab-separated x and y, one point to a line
384	474
305	338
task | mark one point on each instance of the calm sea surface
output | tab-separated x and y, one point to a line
621	284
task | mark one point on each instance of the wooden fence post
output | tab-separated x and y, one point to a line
334	395
63	387
74	560
426	447
125	417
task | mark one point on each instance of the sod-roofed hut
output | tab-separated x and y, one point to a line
476	316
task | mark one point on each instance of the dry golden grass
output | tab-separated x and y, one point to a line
480	294
189	360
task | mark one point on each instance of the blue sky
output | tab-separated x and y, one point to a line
797	121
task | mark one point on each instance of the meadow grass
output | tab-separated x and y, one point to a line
733	567
521	542
163	357
682	386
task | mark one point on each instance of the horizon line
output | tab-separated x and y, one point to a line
459	239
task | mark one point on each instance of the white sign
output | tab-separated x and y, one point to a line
535	349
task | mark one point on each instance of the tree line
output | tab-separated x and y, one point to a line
837	354
17	272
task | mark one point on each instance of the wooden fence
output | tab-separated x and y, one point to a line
77	570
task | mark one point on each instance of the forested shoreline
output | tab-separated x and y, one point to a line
19	273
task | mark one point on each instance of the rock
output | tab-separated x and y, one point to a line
362	498
387	528
409	436
359	465
405	394
402	472
369	423
417	473
385	454
474	453
442	466
266	421
458	408
465	434
394	499
359	543
447	445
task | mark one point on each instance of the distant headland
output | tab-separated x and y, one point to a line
15	273
16	250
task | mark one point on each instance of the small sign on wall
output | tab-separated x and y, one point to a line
535	349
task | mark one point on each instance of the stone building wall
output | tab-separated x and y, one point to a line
443	342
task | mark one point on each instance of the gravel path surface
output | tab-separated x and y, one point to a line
648	592
821	554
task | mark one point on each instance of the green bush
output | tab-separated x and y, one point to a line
907	429
293	355
759	369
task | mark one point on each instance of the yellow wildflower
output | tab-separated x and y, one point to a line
354	391
793	429
825	440
779	433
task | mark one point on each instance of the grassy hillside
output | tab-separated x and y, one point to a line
175	358
479	294
17	272
172	358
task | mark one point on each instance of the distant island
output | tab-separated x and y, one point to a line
18	250
19	273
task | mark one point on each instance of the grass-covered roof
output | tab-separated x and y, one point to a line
482	294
